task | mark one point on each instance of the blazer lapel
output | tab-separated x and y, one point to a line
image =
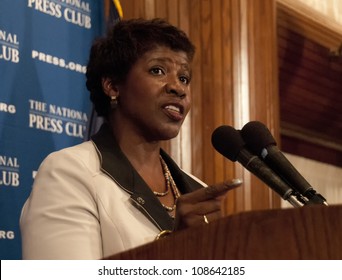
116	165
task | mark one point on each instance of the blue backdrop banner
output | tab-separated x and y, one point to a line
44	104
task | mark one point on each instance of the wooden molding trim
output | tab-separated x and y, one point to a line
299	133
311	24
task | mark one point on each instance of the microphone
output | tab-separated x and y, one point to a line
228	142
260	141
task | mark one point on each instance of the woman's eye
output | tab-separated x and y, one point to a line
185	80
156	71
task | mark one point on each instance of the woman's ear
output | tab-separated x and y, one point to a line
108	88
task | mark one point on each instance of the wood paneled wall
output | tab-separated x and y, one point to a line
234	81
310	87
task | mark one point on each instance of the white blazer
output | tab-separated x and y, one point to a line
88	202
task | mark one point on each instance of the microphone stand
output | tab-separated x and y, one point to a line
296	199
312	197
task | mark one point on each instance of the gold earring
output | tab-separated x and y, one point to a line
113	101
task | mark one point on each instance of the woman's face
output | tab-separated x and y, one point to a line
155	98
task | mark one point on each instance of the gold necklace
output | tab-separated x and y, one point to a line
169	183
167	180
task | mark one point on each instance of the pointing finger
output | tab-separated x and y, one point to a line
212	191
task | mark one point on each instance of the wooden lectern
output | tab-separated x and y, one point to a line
310	232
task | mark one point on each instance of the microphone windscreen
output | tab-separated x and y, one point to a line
227	141
257	136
